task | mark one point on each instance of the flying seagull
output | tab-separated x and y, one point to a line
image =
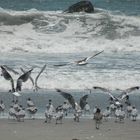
122	96
127	91
109	92
23	78
82	61
34	82
71	100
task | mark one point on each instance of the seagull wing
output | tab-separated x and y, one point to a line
65	64
10	69
68	97
132	89
60	65
23	78
83	101
103	89
8	77
43	68
127	91
94	55
29	76
5	74
106	90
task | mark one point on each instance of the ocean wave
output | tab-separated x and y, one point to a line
63	78
57	32
17	18
102	23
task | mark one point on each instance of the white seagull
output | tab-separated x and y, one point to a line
127	92
82	61
117	100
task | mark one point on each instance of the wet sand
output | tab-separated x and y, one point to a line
85	130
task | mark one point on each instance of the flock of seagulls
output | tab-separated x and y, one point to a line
117	100
22	78
27	75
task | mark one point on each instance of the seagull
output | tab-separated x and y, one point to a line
34	82
127	91
82	61
23	78
71	100
113	98
122	96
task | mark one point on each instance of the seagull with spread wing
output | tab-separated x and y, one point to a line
23	78
127	91
115	100
71	100
77	107
34	82
82	61
86	59
124	94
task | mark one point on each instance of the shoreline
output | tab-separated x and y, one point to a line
68	130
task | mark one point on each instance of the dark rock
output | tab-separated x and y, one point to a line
82	6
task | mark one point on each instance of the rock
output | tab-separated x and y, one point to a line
82	6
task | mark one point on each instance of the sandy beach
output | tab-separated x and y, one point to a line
85	130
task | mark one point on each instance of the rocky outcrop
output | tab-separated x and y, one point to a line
82	6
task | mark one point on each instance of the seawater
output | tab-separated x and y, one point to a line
42	97
37	32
